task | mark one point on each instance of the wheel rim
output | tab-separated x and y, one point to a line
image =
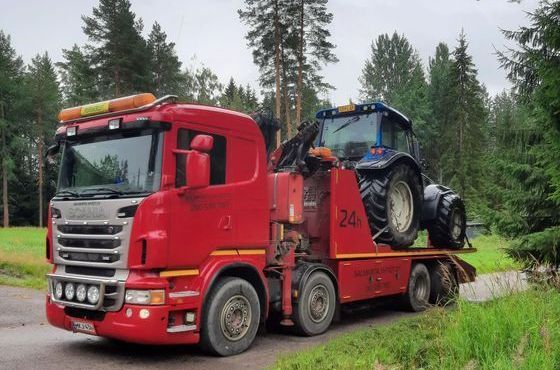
236	318
421	288
318	303
456	225
401	206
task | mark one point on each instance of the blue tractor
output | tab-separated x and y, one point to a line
379	143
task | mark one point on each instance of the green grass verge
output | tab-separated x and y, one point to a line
22	257
521	331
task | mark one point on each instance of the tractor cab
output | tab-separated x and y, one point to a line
366	132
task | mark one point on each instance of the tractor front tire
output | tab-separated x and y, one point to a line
448	229
392	199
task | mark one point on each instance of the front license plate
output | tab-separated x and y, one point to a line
83	327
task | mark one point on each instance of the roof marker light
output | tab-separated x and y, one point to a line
114	105
72	131
114	124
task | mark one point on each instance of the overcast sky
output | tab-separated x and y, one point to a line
210	32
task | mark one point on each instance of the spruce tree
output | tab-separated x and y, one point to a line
165	67
44	97
117	49
468	125
78	77
11	74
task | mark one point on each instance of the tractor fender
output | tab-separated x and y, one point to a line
388	159
432	196
303	271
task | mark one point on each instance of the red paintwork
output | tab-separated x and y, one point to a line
232	224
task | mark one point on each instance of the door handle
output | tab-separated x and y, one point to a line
225	223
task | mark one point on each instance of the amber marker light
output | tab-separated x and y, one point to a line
108	106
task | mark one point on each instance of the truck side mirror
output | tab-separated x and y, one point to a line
198	162
52	151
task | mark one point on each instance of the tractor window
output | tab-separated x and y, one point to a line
349	136
217	157
393	136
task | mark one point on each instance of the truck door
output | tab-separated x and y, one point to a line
201	219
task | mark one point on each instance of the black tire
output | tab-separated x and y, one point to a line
242	299
444	287
312	315
417	296
375	187
448	229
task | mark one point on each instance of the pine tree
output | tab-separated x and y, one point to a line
117	48
267	30
313	46
78	78
166	76
11	72
43	91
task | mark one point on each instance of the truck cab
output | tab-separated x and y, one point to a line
146	199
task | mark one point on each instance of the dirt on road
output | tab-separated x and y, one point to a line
27	341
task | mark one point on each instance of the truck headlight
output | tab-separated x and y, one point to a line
145	297
58	290
69	291
81	292
93	294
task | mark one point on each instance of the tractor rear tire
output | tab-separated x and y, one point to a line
386	195
448	229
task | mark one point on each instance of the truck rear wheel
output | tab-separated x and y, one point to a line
315	307
448	229
231	318
393	201
417	296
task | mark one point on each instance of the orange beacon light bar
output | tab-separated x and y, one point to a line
114	105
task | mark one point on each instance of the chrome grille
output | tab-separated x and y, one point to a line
90	229
90	243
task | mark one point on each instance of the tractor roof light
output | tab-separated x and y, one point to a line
72	131
108	106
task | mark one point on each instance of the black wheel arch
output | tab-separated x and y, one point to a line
394	160
432	196
246	272
303	271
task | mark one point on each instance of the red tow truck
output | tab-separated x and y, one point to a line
178	223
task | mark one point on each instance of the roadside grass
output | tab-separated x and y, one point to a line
520	331
22	257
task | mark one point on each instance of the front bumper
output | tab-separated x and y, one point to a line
151	330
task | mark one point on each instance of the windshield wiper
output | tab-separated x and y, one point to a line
101	190
348	123
62	193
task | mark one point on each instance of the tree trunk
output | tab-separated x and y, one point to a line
287	109
300	64
6	219
40	164
277	68
117	82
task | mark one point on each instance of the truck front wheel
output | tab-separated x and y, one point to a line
231	319
315	307
417	295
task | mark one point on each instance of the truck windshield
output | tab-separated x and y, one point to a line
349	136
117	163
